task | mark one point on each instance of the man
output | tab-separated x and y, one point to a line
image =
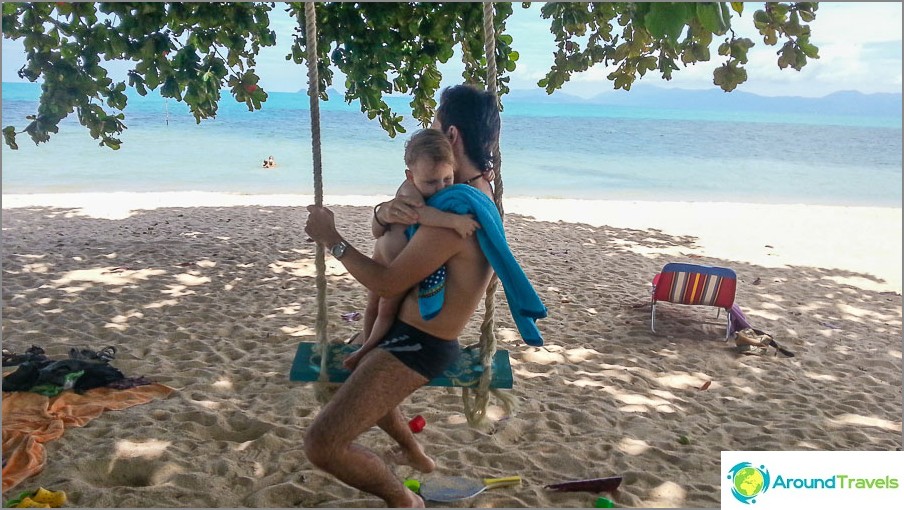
470	118
415	350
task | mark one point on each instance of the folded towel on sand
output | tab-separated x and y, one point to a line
523	301
30	420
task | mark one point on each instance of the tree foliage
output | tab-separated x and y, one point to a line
191	52
385	47
657	36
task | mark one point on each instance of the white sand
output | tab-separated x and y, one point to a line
864	240
210	293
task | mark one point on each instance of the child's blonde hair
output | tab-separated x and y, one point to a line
428	143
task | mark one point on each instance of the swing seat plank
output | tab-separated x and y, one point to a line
463	373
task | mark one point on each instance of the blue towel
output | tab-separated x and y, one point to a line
431	293
523	301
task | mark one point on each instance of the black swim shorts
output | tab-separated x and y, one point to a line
422	352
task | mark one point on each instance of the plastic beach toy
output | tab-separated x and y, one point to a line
55	499
603	503
413	485
456	488
417	424
592	485
41	498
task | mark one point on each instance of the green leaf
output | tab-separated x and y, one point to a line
710	17
729	76
9	132
809	50
760	18
738	7
806	12
724	49
792	27
666	19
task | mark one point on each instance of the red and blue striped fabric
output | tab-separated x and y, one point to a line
692	284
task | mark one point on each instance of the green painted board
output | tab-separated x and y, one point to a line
464	373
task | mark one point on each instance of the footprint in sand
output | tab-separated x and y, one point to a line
239	429
127	472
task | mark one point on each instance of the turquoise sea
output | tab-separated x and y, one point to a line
549	150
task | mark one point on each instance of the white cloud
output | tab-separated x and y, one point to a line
855	23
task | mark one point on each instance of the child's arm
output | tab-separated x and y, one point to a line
433	217
464	224
409	195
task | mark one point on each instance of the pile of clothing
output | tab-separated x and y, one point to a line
37	409
82	370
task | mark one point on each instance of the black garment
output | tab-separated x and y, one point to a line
97	372
422	352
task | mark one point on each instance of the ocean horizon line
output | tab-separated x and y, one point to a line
845	107
521	93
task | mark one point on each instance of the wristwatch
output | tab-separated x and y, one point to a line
338	249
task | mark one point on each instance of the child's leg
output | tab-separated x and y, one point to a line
386	249
387	311
370	315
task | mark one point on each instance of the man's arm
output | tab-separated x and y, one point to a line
429	249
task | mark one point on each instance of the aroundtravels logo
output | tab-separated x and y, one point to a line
777	480
748	482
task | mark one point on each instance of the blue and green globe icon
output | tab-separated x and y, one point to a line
748	482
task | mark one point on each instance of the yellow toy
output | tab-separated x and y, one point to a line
41	498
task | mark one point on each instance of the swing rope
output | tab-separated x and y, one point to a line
477	401
323	389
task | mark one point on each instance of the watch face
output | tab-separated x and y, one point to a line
338	249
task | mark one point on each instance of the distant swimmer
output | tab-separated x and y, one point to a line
269	162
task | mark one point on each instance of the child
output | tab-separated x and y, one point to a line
430	165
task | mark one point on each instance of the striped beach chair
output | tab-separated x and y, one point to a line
692	284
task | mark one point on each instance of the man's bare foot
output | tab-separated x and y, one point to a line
414	458
415	500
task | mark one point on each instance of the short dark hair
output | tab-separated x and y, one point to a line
431	144
476	115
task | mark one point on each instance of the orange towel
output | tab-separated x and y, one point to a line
30	420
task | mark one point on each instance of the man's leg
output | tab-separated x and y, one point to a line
410	453
376	387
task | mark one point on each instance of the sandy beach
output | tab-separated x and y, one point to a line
210	294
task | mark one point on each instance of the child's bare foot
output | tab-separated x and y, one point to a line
414	458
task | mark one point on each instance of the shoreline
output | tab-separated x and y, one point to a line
864	240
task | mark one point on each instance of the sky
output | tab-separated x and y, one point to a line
859	47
